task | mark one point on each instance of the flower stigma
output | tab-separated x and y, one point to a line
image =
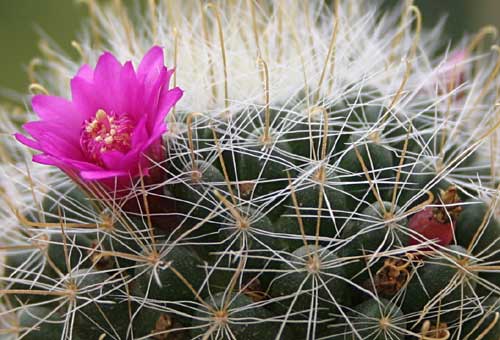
106	132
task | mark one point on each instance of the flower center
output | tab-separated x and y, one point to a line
106	132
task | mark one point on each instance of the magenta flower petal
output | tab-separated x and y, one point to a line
70	166
127	91
47	160
48	132
140	133
107	80
57	109
28	142
86	99
155	136
151	64
113	159
108	69
167	100
111	128
86	72
82	165
97	175
58	147
134	162
154	91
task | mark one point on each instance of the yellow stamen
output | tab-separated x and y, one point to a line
100	115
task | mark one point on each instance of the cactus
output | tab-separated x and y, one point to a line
330	173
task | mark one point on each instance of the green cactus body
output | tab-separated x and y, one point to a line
66	202
484	322
196	200
374	320
376	229
264	163
92	319
480	231
320	279
306	137
322	177
201	177
126	236
19	270
377	160
161	282
438	282
475	219
189	129
332	215
45	323
158	324
233	315
77	246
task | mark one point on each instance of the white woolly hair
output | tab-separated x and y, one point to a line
227	55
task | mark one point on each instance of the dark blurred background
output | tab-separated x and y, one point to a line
21	22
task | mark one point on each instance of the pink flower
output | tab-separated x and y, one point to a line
113	124
452	72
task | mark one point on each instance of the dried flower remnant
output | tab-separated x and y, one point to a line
391	277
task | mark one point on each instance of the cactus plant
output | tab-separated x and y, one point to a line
330	173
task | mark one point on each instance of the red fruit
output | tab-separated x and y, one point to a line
437	223
426	224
